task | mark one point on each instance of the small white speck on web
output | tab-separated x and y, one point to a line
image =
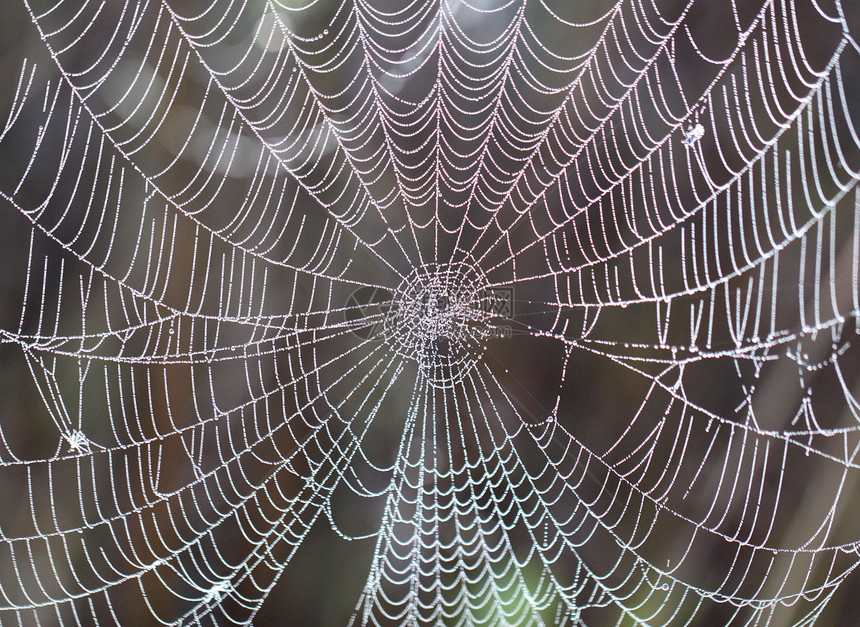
693	134
77	441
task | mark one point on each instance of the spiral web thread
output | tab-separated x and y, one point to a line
668	189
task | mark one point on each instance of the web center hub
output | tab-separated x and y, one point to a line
441	319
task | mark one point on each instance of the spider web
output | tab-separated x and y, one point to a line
525	312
